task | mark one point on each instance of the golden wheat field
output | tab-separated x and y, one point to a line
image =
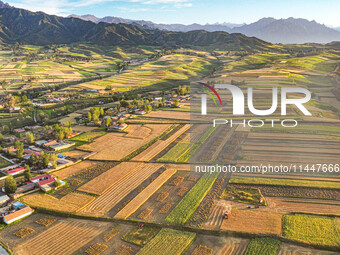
143	196
104	181
70	203
75	234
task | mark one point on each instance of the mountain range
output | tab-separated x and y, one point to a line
38	28
269	29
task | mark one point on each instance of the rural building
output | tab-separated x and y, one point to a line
16	171
3	199
17	215
45	182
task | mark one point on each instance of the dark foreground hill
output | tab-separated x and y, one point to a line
22	26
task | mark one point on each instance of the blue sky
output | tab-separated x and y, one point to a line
192	11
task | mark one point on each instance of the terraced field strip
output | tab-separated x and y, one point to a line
286	182
119	190
142	197
168	242
63	238
291	149
104	181
160	145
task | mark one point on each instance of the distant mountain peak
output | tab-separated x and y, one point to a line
5	5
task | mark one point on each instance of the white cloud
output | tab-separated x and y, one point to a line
65	7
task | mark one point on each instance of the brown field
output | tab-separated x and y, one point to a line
289	249
70	203
112	196
253	221
143	196
114	146
104	181
138	131
234	246
69	171
163	207
75	234
75	154
160	145
176	115
314	206
83	128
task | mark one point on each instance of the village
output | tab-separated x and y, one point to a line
33	153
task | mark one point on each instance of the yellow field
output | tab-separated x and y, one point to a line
160	145
119	190
253	221
142	197
63	238
114	146
104	181
69	171
70	203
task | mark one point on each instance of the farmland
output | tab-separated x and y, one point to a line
114	141
263	246
76	234
72	202
114	194
187	206
312	229
168	241
252	221
138	187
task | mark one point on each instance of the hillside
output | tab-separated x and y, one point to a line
18	25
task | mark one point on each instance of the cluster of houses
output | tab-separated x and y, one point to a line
55	145
12	210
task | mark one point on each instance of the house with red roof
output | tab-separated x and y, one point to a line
45	182
16	171
17	215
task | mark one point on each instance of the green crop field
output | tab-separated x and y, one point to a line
286	182
175	153
168	242
312	229
263	246
187	206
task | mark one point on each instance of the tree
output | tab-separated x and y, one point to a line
102	112
20	149
53	159
27	173
108	122
30	137
89	116
10	185
176	103
46	160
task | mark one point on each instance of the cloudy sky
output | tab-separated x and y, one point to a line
192	11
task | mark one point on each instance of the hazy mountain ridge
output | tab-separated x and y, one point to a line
289	30
38	28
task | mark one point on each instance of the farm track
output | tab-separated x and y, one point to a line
112	196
